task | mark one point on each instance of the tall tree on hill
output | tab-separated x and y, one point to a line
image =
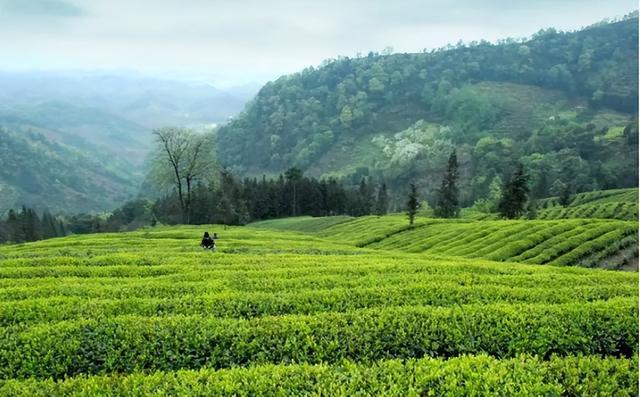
293	177
514	195
30	224
48	225
382	200
447	205
181	159
61	230
364	199
565	196
14	229
412	203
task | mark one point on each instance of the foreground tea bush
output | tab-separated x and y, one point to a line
286	313
466	375
241	304
125	344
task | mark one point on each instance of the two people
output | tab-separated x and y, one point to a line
208	242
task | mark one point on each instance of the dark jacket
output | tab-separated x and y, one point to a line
207	242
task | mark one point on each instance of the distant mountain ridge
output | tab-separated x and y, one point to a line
146	101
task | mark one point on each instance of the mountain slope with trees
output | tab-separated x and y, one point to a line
39	172
562	103
77	141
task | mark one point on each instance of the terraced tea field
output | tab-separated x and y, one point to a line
581	242
285	313
603	204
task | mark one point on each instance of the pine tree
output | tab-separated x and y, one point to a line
26	221
382	200
565	196
61	230
48	225
364	199
412	203
36	225
14	227
447	205
293	176
532	209
514	195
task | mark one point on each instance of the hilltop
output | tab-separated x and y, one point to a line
561	102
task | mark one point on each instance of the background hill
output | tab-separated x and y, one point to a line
76	141
562	103
39	171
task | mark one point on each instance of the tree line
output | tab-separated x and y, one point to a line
237	202
513	202
197	191
26	225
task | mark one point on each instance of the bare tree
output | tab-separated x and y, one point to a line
181	159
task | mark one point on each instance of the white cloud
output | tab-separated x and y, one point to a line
237	41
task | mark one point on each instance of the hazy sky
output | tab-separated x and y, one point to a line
232	42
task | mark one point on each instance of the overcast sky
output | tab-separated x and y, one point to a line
227	42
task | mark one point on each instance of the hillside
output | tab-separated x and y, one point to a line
77	141
577	242
562	103
277	312
42	173
605	204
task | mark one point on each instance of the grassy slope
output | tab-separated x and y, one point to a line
606	204
306	224
584	242
150	311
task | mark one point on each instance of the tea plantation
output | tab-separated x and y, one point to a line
322	307
603	243
608	204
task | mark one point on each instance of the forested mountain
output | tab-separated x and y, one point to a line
37	171
562	103
76	141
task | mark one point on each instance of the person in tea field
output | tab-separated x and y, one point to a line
207	242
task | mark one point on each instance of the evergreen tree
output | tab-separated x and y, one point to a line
35	225
532	209
382	200
447	205
412	203
364	199
61	230
14	228
29	223
293	176
4	233
565	196
514	195
48	225
96	225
